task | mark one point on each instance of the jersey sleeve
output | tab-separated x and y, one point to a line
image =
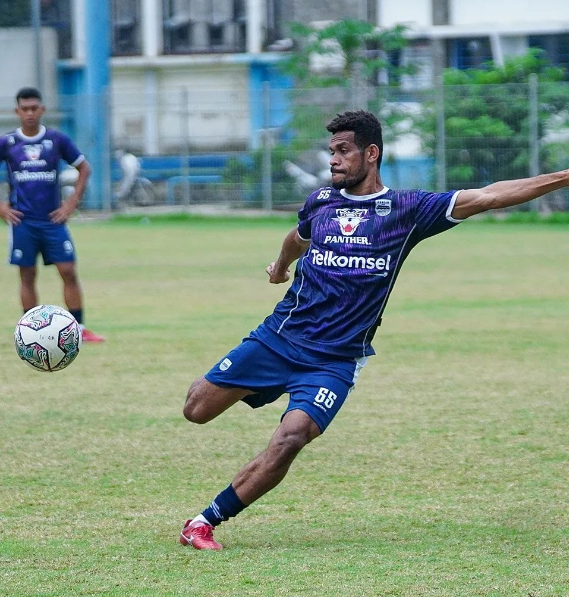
433	214
69	151
305	215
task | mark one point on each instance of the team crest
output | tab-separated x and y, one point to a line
383	207
350	219
48	144
33	152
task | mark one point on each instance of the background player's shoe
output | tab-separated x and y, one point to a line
199	535
89	336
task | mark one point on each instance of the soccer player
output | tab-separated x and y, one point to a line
34	213
350	242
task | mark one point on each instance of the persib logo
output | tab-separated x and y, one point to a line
350	219
33	152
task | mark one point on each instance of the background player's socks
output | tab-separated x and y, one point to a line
78	314
226	505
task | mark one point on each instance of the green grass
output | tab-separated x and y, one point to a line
445	473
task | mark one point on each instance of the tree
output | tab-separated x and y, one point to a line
339	66
488	119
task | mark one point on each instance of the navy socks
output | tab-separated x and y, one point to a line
226	505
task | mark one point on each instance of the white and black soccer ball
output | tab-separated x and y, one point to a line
47	338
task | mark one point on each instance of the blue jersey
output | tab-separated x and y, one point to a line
357	247
33	169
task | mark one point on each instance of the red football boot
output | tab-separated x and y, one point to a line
199	535
89	336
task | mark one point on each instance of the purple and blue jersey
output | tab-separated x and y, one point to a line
357	247
33	169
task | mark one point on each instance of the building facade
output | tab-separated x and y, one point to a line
186	73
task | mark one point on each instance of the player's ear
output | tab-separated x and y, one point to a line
373	152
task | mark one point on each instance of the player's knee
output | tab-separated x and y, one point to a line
69	277
28	276
288	443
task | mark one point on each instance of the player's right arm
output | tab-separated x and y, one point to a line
10	215
7	213
293	247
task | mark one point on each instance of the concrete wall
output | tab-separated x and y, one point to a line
188	107
18	69
507	12
415	13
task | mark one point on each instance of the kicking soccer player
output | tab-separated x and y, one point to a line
35	214
351	241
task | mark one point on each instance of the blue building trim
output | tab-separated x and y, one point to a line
270	104
83	99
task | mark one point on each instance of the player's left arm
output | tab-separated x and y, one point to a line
66	209
507	193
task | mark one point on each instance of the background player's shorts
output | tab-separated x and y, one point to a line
30	238
270	366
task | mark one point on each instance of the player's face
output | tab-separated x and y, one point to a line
347	163
30	112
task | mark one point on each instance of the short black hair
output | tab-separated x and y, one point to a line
365	126
28	93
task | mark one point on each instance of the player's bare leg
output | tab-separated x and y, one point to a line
255	479
28	291
73	297
205	400
270	467
72	293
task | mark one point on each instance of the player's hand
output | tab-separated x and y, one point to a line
9	215
62	213
276	276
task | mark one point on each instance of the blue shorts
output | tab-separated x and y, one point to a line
270	366
30	238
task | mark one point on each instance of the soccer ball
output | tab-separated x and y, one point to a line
47	338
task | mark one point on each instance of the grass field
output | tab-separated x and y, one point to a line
446	473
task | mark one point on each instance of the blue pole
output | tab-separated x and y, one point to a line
36	25
97	77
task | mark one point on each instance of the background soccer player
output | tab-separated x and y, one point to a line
351	241
34	212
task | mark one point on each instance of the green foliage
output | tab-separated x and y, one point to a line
361	47
360	52
487	119
15	13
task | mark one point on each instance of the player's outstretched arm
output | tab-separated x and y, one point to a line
507	193
293	248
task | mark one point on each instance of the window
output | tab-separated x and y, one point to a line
53	13
125	17
556	47
57	14
470	52
198	26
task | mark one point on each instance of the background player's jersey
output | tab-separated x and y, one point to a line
358	245
33	169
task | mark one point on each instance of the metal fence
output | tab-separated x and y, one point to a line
219	148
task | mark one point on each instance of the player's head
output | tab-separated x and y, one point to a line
356	147
29	108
